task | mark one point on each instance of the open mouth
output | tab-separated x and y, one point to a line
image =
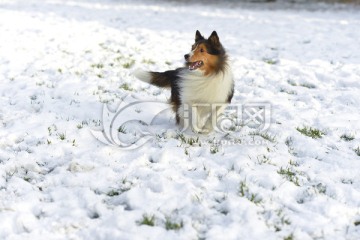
195	65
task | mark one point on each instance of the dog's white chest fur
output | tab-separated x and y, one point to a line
196	88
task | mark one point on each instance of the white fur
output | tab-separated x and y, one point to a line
195	88
142	75
193	52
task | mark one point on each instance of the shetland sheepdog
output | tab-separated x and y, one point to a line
205	80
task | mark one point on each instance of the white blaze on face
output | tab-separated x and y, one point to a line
193	51
194	65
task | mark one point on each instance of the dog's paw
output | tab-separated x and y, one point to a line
204	131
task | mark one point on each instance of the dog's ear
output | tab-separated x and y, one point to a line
198	36
214	39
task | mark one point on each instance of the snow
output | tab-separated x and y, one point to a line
63	63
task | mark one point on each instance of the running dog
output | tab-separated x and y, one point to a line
206	80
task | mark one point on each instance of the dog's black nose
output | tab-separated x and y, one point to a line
186	56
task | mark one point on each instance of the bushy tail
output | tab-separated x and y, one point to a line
160	79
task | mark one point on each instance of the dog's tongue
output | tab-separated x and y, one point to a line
194	65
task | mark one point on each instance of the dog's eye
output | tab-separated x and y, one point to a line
201	50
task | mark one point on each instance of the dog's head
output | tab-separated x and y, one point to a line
207	55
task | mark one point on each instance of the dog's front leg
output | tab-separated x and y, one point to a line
201	115
212	120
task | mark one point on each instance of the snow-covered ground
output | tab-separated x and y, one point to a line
61	61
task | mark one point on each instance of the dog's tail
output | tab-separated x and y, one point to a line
160	79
